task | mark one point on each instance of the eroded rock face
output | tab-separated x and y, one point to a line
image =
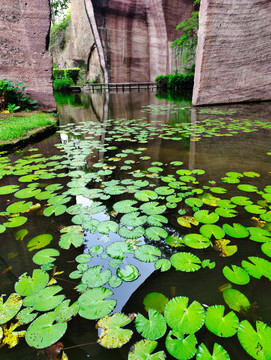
233	55
78	48
24	28
135	36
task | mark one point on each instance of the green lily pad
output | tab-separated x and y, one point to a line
118	249
266	248
156	233
95	277
45	256
180	346
266	216
64	312
8	189
255	209
92	303
236	230
46	299
2	229
227	213
142	350
147	253
75	239
251	174
114	281
145	195
236	300
115	190
220	325
105	227
10	308
153	208
156	301
133	219
247	188
193	202
164	190
157	220
55	209
185	262
174	241
125	206
27	193
15	221
26	316
163	265
209	230
134	233
259	235
241	200
153	328
196	241
258	267
19	207
27	286
218	190
39	242
219	353
256	343
111	333
236	275
129	273
44	332
183	318
205	217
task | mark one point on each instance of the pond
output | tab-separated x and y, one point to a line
144	207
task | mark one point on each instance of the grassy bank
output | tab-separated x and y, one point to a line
20	126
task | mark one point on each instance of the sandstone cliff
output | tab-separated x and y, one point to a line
24	31
233	55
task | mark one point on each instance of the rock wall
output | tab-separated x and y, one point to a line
135	35
78	48
233	54
24	29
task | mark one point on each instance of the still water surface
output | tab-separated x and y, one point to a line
218	140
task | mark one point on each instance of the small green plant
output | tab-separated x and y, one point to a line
175	82
14	95
60	84
12	108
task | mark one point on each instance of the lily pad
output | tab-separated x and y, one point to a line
129	273
156	301
105	227
157	220
133	219
8	189
118	249
163	265
236	300
220	325
45	256
95	277
92	303
183	318
46	299
27	193
236	230
147	253
15	221
134	233
241	200
39	242
196	241
236	275
44	332
156	233
153	208
125	206
219	353
247	188
259	235
145	195
205	217
10	308
227	213
185	262
71	238
142	350
209	230
153	328
180	346
111	333
19	207
27	285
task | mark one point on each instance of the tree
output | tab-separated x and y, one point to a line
58	7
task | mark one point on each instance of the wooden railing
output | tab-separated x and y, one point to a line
117	87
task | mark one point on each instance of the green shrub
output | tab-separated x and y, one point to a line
175	81
73	74
60	84
15	96
58	74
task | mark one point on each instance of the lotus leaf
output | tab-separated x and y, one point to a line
266	216
146	195
27	286
220	325
241	200
255	209
196	241
83	258
219	353
234	174
251	174
163	265
176	163
186	221
230	180
44	195
181	317
155	169
225	204
183	172
193	202
209	230
156	301
133	219
3	229
92	303
129	273
115	190
153	328
43	332
157	220
256	343
8	189
39	242
164	190
225	249
259	235
266	248
237	275
134	233
180	346
218	190
236	300
27	193
142	350
45	256
71	238
147	253
207	263
15	221
174	241
95	277
19	207
205	217
153	208
141	183
259	267
114	281
111	333
125	206
26	316
64	312
55	209
46	299
236	230
156	233
185	262
247	188
10	308
58	200
105	226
